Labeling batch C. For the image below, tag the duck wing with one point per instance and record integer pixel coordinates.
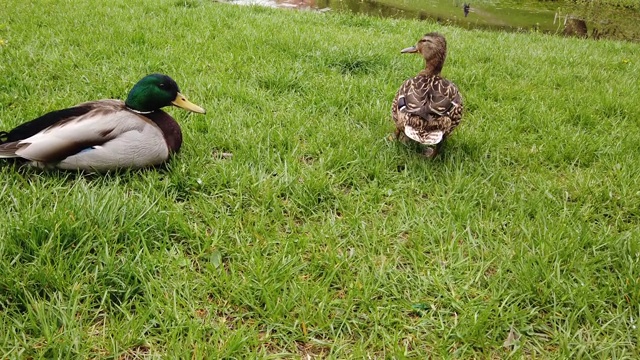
(430, 96)
(59, 134)
(34, 126)
(131, 149)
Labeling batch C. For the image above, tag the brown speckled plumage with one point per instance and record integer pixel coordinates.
(427, 107)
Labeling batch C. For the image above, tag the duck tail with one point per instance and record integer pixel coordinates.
(8, 150)
(422, 136)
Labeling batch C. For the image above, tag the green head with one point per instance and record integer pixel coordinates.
(156, 91)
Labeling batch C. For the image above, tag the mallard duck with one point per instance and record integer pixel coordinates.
(105, 134)
(427, 107)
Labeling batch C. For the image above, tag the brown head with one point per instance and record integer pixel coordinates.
(433, 48)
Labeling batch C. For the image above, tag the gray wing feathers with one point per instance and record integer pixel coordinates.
(131, 149)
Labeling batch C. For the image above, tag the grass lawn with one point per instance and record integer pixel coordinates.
(321, 237)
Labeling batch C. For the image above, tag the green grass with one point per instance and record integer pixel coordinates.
(321, 237)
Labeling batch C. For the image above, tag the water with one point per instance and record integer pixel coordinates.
(504, 15)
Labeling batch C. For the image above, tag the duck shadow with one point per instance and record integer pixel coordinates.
(452, 150)
(23, 168)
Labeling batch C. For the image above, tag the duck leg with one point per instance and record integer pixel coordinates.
(432, 151)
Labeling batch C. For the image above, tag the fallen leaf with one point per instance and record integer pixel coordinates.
(512, 338)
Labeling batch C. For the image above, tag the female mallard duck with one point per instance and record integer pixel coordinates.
(105, 134)
(427, 107)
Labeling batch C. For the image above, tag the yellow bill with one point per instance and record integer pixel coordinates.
(182, 102)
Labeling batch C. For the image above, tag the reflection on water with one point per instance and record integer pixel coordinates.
(504, 15)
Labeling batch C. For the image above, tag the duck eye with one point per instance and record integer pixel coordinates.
(162, 85)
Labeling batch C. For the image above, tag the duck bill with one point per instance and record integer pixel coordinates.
(182, 102)
(409, 50)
